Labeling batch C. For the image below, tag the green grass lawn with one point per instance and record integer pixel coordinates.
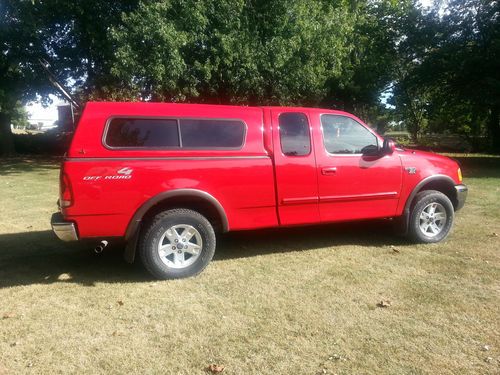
(295, 301)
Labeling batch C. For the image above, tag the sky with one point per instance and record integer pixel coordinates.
(37, 111)
(426, 3)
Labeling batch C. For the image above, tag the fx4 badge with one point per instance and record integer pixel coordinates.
(121, 174)
(411, 170)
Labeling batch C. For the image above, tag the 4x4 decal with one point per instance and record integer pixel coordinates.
(125, 171)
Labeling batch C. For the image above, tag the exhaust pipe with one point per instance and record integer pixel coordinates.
(99, 249)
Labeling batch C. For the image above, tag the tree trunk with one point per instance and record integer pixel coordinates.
(413, 128)
(6, 138)
(494, 129)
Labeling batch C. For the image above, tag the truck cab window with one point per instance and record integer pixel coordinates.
(294, 134)
(343, 135)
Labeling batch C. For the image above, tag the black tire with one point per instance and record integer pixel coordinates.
(422, 201)
(155, 232)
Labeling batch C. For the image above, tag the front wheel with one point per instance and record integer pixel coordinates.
(178, 243)
(431, 218)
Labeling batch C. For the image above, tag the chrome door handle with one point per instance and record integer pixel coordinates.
(328, 171)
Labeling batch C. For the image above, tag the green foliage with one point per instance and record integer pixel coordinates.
(71, 35)
(373, 57)
(254, 52)
(19, 116)
(451, 70)
(442, 67)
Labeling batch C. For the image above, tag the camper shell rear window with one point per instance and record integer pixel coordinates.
(174, 133)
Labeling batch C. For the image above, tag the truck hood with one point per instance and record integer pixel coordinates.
(427, 155)
(430, 163)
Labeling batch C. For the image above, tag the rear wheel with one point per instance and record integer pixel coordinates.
(431, 218)
(178, 243)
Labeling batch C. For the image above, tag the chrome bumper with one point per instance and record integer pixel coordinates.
(461, 196)
(64, 230)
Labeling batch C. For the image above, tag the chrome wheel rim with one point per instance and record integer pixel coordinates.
(432, 219)
(180, 246)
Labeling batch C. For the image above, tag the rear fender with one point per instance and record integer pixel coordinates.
(133, 229)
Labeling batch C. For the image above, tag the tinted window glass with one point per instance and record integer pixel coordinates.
(294, 134)
(212, 133)
(343, 135)
(151, 133)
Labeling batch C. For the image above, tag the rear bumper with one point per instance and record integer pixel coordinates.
(64, 230)
(461, 196)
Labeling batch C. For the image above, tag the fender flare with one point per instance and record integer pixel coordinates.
(139, 214)
(416, 190)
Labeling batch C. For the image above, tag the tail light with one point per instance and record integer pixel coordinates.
(66, 193)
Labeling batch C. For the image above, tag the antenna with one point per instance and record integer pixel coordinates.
(45, 65)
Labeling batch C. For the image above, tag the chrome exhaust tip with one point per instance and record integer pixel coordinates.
(100, 248)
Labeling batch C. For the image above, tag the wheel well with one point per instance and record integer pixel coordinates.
(443, 186)
(190, 202)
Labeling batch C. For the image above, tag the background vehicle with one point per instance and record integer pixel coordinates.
(167, 177)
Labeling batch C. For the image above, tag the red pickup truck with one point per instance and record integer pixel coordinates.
(168, 177)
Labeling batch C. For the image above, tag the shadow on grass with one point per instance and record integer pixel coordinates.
(479, 166)
(19, 165)
(40, 258)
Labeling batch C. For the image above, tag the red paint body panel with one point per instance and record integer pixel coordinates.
(257, 186)
(353, 187)
(296, 181)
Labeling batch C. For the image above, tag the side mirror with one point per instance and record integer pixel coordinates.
(389, 146)
(371, 150)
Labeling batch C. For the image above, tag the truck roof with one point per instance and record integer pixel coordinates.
(110, 106)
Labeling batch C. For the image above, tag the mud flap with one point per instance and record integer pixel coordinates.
(131, 247)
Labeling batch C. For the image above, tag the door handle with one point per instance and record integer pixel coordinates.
(328, 171)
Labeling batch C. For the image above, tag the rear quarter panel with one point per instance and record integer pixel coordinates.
(105, 201)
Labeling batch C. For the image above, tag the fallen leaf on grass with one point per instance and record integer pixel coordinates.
(384, 303)
(215, 369)
(337, 357)
(120, 302)
(395, 249)
(64, 277)
(485, 348)
(488, 359)
(9, 315)
(494, 234)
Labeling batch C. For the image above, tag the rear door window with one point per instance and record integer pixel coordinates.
(294, 134)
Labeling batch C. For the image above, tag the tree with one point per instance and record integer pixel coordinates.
(373, 57)
(232, 51)
(453, 58)
(19, 79)
(72, 35)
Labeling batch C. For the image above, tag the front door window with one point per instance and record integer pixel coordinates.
(343, 135)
